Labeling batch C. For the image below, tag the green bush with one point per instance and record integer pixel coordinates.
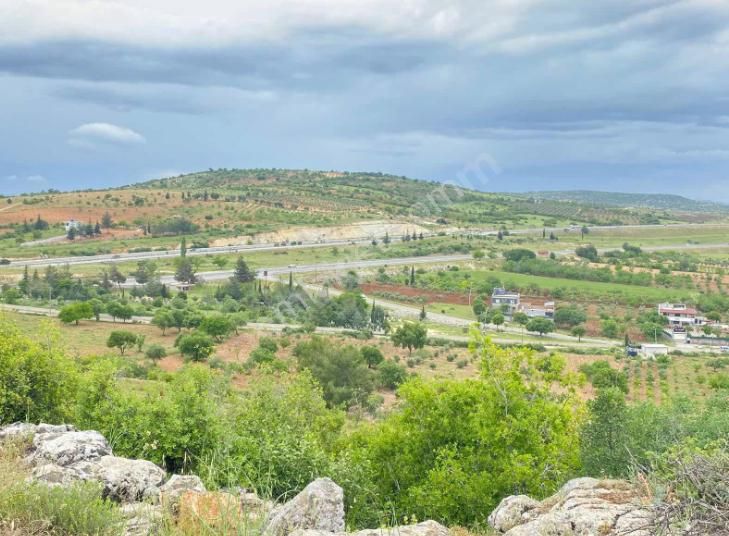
(74, 510)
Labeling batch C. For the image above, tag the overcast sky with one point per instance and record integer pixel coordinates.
(625, 95)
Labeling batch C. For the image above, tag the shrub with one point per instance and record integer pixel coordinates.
(155, 352)
(391, 374)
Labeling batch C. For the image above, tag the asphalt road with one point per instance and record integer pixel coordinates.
(150, 255)
(220, 275)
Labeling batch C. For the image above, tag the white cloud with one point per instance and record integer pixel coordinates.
(104, 132)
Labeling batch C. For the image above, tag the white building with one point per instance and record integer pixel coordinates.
(72, 224)
(678, 314)
(650, 351)
(509, 301)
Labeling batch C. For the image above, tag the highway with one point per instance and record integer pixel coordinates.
(245, 248)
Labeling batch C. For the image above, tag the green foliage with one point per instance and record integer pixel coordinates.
(540, 325)
(588, 252)
(455, 448)
(74, 312)
(341, 371)
(122, 340)
(569, 315)
(372, 356)
(241, 273)
(603, 376)
(268, 343)
(610, 328)
(392, 375)
(195, 346)
(519, 254)
(605, 436)
(410, 335)
(218, 326)
(578, 331)
(37, 382)
(155, 352)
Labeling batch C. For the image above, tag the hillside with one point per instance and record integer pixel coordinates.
(627, 200)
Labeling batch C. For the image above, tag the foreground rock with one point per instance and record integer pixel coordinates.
(319, 506)
(426, 528)
(583, 507)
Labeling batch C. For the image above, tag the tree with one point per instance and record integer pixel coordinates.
(119, 310)
(195, 346)
(392, 375)
(372, 356)
(123, 340)
(341, 371)
(412, 276)
(540, 325)
(97, 229)
(588, 252)
(183, 247)
(569, 315)
(478, 254)
(445, 469)
(38, 383)
(410, 335)
(585, 230)
(519, 254)
(163, 319)
(386, 240)
(579, 332)
(218, 326)
(71, 235)
(241, 273)
(604, 437)
(497, 320)
(145, 272)
(185, 272)
(610, 328)
(117, 277)
(423, 314)
(74, 312)
(155, 352)
(106, 221)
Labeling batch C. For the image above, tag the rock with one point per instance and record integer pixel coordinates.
(319, 506)
(583, 507)
(26, 430)
(212, 509)
(426, 528)
(66, 448)
(55, 475)
(511, 512)
(176, 486)
(141, 519)
(124, 480)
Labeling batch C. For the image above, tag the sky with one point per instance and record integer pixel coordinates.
(498, 95)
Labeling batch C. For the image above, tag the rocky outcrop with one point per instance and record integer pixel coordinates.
(426, 528)
(60, 455)
(319, 506)
(583, 507)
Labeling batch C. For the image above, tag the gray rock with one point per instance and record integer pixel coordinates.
(583, 507)
(176, 486)
(426, 528)
(66, 448)
(141, 519)
(512, 511)
(124, 480)
(319, 506)
(55, 475)
(24, 429)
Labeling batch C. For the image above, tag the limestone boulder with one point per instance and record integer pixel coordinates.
(319, 506)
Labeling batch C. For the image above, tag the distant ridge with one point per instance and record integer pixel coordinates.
(627, 200)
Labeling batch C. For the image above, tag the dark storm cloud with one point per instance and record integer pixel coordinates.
(574, 89)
